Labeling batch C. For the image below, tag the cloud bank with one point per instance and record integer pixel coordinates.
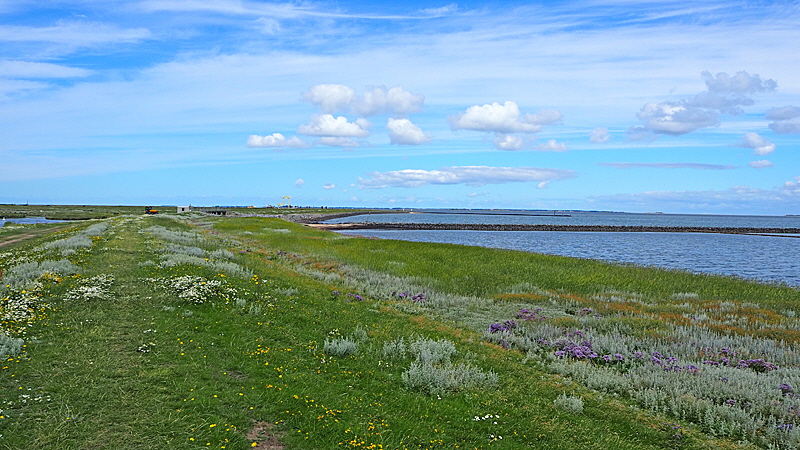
(467, 175)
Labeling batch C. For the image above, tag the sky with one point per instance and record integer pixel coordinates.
(618, 105)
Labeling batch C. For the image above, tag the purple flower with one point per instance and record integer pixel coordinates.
(786, 389)
(607, 358)
(619, 357)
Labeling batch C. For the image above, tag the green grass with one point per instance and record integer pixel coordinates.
(141, 369)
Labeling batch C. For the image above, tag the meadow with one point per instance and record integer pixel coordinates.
(192, 331)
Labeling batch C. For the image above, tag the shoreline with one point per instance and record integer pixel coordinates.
(569, 228)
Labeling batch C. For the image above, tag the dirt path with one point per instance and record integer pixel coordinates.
(8, 240)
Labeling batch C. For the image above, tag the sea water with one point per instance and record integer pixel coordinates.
(763, 258)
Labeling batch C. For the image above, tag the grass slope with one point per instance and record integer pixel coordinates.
(237, 362)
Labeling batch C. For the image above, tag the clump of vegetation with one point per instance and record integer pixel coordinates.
(570, 404)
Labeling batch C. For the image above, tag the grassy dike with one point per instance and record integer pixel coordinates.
(258, 333)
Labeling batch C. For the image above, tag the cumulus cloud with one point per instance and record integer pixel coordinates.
(467, 175)
(661, 165)
(329, 186)
(378, 100)
(599, 136)
(505, 118)
(759, 145)
(787, 119)
(276, 140)
(740, 83)
(760, 164)
(552, 146)
(792, 187)
(508, 142)
(299, 183)
(404, 132)
(330, 97)
(725, 94)
(676, 118)
(327, 125)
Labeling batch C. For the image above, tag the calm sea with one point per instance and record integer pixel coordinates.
(763, 258)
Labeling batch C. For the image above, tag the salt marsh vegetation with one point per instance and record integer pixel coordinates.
(196, 332)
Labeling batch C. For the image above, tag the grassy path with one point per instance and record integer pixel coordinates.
(140, 368)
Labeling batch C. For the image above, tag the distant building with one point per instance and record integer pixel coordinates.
(183, 209)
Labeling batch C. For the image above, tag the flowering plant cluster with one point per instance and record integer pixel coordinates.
(20, 308)
(418, 298)
(726, 357)
(94, 288)
(196, 289)
(527, 314)
(508, 326)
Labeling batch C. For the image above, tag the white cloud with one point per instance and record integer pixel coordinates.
(276, 140)
(725, 95)
(404, 132)
(299, 183)
(442, 10)
(783, 113)
(760, 164)
(792, 187)
(329, 186)
(676, 118)
(330, 97)
(741, 83)
(552, 146)
(468, 175)
(327, 125)
(760, 145)
(333, 141)
(661, 165)
(787, 119)
(73, 34)
(508, 142)
(377, 100)
(505, 118)
(25, 69)
(599, 136)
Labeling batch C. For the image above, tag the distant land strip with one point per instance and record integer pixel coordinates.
(584, 228)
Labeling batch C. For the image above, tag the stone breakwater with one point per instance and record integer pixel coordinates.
(578, 228)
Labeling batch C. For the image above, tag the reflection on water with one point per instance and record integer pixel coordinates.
(765, 258)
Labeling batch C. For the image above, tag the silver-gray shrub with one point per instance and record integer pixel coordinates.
(10, 346)
(340, 347)
(570, 404)
(229, 268)
(177, 237)
(437, 379)
(185, 250)
(19, 276)
(96, 229)
(221, 254)
(71, 243)
(395, 349)
(428, 351)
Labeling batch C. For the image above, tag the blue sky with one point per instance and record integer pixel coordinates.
(670, 106)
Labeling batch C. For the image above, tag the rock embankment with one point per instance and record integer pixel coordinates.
(578, 228)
